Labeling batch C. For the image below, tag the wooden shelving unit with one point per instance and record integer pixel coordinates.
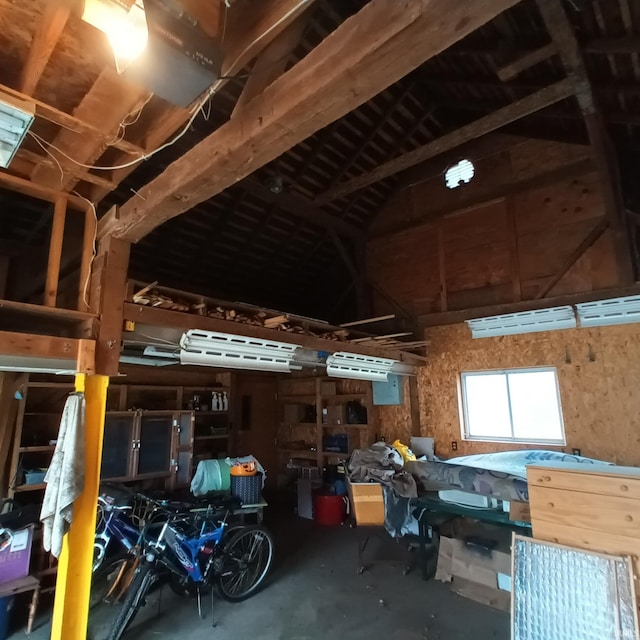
(329, 401)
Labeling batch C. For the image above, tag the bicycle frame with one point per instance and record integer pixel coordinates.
(186, 550)
(115, 526)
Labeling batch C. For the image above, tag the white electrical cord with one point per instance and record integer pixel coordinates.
(93, 255)
(195, 109)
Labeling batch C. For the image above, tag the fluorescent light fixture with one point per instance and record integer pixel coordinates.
(358, 367)
(213, 349)
(16, 117)
(126, 28)
(147, 362)
(608, 312)
(524, 322)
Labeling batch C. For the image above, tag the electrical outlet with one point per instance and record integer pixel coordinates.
(576, 452)
(454, 445)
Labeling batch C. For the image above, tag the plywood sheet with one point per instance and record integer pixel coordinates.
(598, 370)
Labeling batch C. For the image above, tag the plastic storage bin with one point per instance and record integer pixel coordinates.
(6, 604)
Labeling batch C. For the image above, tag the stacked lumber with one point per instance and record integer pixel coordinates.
(154, 296)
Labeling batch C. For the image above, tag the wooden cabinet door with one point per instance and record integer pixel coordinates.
(183, 453)
(154, 443)
(118, 445)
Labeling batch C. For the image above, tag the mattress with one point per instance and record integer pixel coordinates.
(499, 475)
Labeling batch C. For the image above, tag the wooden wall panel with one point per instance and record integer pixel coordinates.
(489, 257)
(533, 157)
(477, 248)
(406, 266)
(598, 372)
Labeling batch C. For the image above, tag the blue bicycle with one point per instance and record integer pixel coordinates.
(198, 551)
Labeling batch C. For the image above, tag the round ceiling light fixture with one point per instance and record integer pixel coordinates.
(459, 173)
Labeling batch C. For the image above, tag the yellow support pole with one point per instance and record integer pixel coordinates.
(73, 586)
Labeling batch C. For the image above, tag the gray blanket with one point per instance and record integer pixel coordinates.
(382, 464)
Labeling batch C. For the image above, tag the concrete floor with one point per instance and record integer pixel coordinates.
(315, 593)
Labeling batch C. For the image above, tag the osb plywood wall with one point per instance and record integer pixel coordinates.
(503, 250)
(598, 373)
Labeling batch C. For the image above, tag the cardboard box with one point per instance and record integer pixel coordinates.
(14, 560)
(520, 511)
(367, 503)
(476, 570)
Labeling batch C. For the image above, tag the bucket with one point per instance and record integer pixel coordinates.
(328, 510)
(6, 604)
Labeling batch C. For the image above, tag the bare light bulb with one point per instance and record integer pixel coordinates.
(126, 31)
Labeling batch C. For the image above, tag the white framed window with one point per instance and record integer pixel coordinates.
(512, 405)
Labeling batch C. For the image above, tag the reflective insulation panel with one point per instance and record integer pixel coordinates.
(560, 593)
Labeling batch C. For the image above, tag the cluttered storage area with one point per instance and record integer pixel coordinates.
(319, 319)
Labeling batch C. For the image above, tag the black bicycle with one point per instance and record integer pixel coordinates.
(198, 551)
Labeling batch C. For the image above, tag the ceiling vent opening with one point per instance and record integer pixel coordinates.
(458, 174)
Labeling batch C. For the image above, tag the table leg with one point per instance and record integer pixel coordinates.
(35, 598)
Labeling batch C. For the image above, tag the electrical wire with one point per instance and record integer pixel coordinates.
(195, 109)
(85, 289)
(51, 156)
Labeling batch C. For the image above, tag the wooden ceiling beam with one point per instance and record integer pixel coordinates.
(371, 50)
(106, 106)
(50, 27)
(561, 31)
(489, 123)
(72, 123)
(526, 61)
(28, 188)
(272, 62)
(67, 166)
(253, 26)
(301, 207)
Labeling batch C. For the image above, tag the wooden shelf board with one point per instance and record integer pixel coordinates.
(344, 397)
(35, 449)
(31, 487)
(207, 413)
(299, 424)
(215, 437)
(50, 385)
(335, 453)
(300, 453)
(305, 399)
(335, 425)
(44, 413)
(46, 312)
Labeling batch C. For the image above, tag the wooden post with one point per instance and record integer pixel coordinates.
(108, 291)
(73, 585)
(9, 384)
(55, 252)
(442, 267)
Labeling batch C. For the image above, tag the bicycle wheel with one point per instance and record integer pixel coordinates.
(244, 563)
(111, 571)
(134, 599)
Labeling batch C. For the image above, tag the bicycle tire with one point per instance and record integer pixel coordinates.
(107, 568)
(133, 600)
(229, 560)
